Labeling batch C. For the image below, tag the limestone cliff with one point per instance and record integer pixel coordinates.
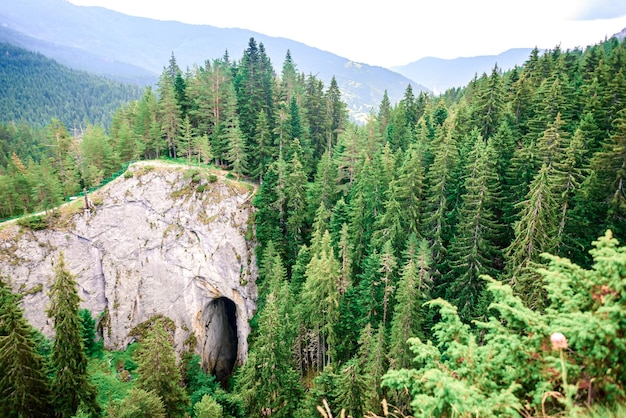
(161, 239)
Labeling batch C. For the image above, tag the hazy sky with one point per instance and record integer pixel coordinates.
(396, 32)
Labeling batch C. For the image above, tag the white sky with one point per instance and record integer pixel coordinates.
(396, 32)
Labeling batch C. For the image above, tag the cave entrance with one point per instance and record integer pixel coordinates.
(220, 345)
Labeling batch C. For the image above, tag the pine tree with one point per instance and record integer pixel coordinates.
(70, 383)
(534, 234)
(473, 252)
(320, 299)
(169, 113)
(97, 155)
(413, 286)
(186, 144)
(208, 408)
(138, 403)
(24, 386)
(295, 189)
(268, 382)
(264, 151)
(270, 203)
(237, 153)
(352, 389)
(609, 180)
(488, 103)
(158, 371)
(337, 114)
(314, 103)
(442, 188)
(372, 360)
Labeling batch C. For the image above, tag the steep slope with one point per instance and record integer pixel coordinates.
(441, 74)
(148, 44)
(160, 240)
(36, 89)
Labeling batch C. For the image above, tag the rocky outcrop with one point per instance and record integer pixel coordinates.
(160, 240)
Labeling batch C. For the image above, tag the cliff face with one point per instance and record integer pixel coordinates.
(165, 240)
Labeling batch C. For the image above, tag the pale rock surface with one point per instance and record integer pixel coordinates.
(154, 244)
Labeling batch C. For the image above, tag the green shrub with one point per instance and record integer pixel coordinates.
(34, 223)
(528, 363)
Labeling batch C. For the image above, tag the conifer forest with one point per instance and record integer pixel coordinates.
(459, 255)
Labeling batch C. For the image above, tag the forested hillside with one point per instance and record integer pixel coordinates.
(374, 241)
(35, 89)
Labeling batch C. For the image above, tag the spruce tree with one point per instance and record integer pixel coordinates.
(138, 403)
(442, 188)
(70, 383)
(412, 292)
(295, 189)
(473, 252)
(169, 113)
(488, 103)
(269, 382)
(352, 389)
(158, 371)
(24, 386)
(534, 234)
(320, 298)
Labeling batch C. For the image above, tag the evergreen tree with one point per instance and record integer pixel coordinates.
(441, 195)
(336, 112)
(237, 153)
(295, 189)
(320, 299)
(352, 389)
(372, 360)
(208, 408)
(98, 159)
(473, 252)
(169, 113)
(186, 145)
(272, 390)
(264, 150)
(63, 157)
(158, 372)
(608, 183)
(138, 403)
(534, 234)
(314, 104)
(24, 386)
(488, 103)
(413, 287)
(70, 383)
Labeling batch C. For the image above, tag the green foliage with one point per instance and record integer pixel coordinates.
(24, 385)
(93, 348)
(522, 367)
(361, 224)
(70, 384)
(274, 390)
(208, 408)
(138, 403)
(54, 91)
(34, 223)
(158, 371)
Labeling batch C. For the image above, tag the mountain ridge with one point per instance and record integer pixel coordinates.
(440, 74)
(148, 44)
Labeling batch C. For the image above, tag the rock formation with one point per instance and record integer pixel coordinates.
(159, 240)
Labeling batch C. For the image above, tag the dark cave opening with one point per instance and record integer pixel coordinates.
(220, 346)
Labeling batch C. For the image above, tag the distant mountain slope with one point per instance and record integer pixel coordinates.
(79, 59)
(36, 89)
(148, 44)
(439, 74)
